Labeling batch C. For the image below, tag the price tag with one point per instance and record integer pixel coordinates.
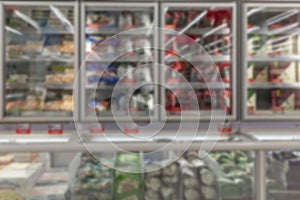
(131, 128)
(24, 128)
(279, 109)
(296, 138)
(55, 129)
(226, 129)
(95, 128)
(276, 64)
(250, 110)
(93, 28)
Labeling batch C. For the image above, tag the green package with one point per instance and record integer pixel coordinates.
(128, 186)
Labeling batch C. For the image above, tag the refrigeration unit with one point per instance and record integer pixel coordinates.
(271, 61)
(207, 64)
(39, 54)
(112, 53)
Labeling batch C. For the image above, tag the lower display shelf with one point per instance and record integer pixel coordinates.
(88, 177)
(37, 139)
(111, 140)
(266, 85)
(277, 112)
(246, 165)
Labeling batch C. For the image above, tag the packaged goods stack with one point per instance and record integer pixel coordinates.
(272, 62)
(211, 28)
(39, 60)
(128, 183)
(199, 180)
(93, 181)
(236, 179)
(18, 175)
(123, 58)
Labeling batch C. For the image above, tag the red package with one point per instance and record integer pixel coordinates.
(23, 128)
(222, 16)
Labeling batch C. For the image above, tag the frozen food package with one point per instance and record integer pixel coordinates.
(236, 177)
(107, 20)
(142, 74)
(16, 179)
(14, 51)
(33, 47)
(251, 101)
(6, 159)
(126, 46)
(143, 46)
(10, 195)
(25, 157)
(145, 100)
(261, 74)
(55, 192)
(143, 19)
(262, 100)
(128, 185)
(126, 20)
(163, 184)
(283, 99)
(195, 175)
(94, 181)
(17, 78)
(52, 177)
(283, 72)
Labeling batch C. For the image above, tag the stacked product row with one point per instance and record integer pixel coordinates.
(221, 175)
(224, 175)
(199, 42)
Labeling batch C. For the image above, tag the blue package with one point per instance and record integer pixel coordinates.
(111, 80)
(100, 66)
(93, 79)
(93, 104)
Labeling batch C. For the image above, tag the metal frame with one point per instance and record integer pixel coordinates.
(260, 175)
(115, 5)
(75, 6)
(244, 91)
(2, 53)
(146, 145)
(194, 5)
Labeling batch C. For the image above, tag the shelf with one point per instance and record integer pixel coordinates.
(197, 59)
(137, 115)
(289, 29)
(32, 139)
(200, 31)
(41, 59)
(42, 143)
(47, 113)
(266, 58)
(70, 142)
(22, 86)
(275, 135)
(117, 32)
(261, 113)
(125, 59)
(47, 32)
(197, 85)
(190, 114)
(120, 86)
(265, 85)
(41, 113)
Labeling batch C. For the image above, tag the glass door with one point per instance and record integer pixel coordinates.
(199, 46)
(39, 60)
(271, 63)
(118, 55)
